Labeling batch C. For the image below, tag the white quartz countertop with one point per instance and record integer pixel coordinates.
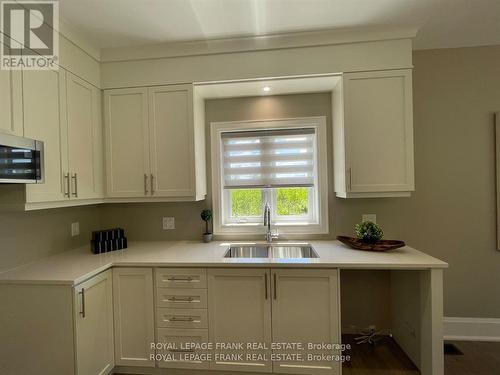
(75, 266)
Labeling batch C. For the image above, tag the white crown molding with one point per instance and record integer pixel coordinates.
(471, 329)
(257, 43)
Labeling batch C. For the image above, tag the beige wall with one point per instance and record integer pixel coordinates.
(28, 236)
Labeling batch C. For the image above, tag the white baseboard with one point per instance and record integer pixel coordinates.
(471, 329)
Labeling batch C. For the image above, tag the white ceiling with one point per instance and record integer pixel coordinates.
(443, 23)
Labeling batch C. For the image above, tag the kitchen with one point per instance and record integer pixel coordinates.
(144, 134)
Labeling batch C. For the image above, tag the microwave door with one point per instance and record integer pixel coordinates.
(21, 160)
(19, 165)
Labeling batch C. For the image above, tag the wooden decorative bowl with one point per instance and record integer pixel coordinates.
(382, 245)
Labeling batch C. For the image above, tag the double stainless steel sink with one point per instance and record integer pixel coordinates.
(279, 251)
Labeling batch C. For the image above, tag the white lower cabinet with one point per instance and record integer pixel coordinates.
(134, 316)
(239, 309)
(305, 309)
(52, 329)
(112, 319)
(264, 306)
(94, 325)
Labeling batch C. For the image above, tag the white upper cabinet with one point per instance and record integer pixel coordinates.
(94, 326)
(151, 139)
(42, 121)
(373, 134)
(172, 141)
(64, 112)
(11, 109)
(84, 135)
(127, 142)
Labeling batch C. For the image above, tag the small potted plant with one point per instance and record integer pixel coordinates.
(369, 232)
(206, 216)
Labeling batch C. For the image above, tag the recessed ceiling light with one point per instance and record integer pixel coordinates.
(266, 88)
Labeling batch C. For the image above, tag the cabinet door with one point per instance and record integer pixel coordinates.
(305, 309)
(11, 101)
(172, 146)
(134, 316)
(379, 131)
(94, 325)
(127, 142)
(42, 110)
(239, 311)
(84, 134)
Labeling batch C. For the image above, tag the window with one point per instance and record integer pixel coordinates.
(276, 162)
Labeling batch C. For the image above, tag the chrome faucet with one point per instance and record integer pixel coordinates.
(267, 222)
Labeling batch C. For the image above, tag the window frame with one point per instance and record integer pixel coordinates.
(255, 224)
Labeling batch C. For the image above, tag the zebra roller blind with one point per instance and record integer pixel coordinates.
(269, 158)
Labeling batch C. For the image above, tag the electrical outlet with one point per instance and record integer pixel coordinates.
(75, 229)
(168, 223)
(369, 217)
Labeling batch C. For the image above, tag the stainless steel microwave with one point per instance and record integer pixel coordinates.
(21, 160)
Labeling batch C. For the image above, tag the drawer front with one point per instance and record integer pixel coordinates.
(181, 318)
(181, 278)
(179, 355)
(181, 298)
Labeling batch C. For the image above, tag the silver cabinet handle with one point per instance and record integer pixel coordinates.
(181, 299)
(152, 184)
(181, 319)
(145, 184)
(66, 185)
(275, 289)
(183, 279)
(82, 312)
(75, 179)
(265, 283)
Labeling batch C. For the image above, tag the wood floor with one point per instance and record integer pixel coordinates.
(386, 358)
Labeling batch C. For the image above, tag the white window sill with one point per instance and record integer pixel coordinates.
(259, 228)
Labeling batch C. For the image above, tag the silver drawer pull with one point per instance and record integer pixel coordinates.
(183, 279)
(181, 299)
(181, 350)
(75, 179)
(181, 319)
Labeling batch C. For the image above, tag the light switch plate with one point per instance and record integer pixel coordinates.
(75, 229)
(369, 217)
(168, 223)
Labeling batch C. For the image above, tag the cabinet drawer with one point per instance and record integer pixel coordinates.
(181, 318)
(181, 298)
(181, 278)
(177, 338)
